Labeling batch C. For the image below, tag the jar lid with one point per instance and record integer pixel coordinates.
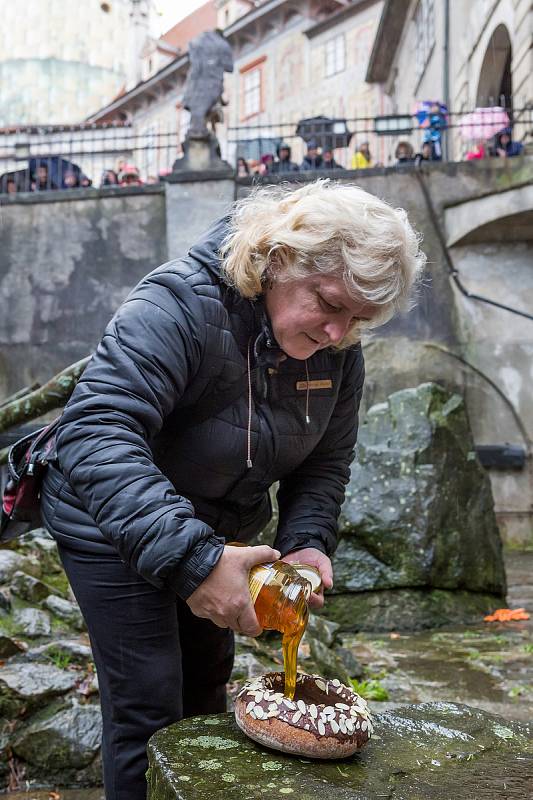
(310, 574)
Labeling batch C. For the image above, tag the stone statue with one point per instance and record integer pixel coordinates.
(210, 56)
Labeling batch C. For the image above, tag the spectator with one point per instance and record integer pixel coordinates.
(109, 178)
(9, 185)
(85, 182)
(433, 133)
(328, 161)
(254, 167)
(129, 176)
(265, 163)
(504, 147)
(40, 179)
(404, 153)
(151, 179)
(362, 158)
(478, 151)
(284, 163)
(70, 179)
(425, 154)
(242, 168)
(312, 160)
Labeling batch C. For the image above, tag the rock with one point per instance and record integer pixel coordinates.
(10, 562)
(29, 686)
(9, 646)
(60, 741)
(322, 629)
(407, 609)
(418, 513)
(246, 666)
(353, 667)
(76, 651)
(5, 601)
(433, 750)
(29, 588)
(32, 622)
(65, 610)
(326, 662)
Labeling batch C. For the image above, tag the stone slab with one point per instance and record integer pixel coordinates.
(432, 751)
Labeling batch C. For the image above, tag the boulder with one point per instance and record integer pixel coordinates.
(66, 610)
(418, 523)
(75, 651)
(32, 622)
(9, 646)
(29, 588)
(58, 741)
(24, 686)
(433, 750)
(10, 562)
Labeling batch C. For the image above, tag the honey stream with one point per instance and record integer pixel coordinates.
(291, 621)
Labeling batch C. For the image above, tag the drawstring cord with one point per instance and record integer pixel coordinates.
(249, 429)
(307, 417)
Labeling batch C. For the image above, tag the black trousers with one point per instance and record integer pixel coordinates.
(156, 662)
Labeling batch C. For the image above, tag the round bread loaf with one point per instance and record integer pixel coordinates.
(325, 720)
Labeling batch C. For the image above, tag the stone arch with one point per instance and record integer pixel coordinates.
(495, 83)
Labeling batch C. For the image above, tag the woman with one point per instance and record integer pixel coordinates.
(222, 373)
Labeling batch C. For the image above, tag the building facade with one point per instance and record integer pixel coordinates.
(464, 54)
(62, 59)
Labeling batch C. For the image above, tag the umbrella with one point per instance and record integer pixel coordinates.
(483, 123)
(328, 133)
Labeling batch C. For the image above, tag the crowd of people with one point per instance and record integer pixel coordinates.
(316, 158)
(49, 175)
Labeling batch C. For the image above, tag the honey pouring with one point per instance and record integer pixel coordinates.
(280, 594)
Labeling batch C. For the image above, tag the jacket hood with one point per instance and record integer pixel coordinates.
(207, 249)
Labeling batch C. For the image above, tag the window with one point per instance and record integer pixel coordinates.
(252, 92)
(425, 34)
(335, 55)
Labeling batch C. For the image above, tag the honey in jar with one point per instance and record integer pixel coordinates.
(280, 595)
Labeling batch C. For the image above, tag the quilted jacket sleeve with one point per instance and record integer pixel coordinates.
(149, 353)
(310, 498)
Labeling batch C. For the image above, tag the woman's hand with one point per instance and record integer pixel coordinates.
(224, 596)
(319, 560)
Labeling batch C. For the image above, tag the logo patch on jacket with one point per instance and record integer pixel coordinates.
(302, 386)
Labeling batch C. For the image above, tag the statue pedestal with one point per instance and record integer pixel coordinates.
(201, 153)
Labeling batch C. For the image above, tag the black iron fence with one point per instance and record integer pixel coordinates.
(34, 159)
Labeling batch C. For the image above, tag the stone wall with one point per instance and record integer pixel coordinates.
(69, 258)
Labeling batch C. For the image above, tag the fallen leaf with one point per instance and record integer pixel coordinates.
(507, 615)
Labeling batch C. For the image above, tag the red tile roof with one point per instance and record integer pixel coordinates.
(203, 19)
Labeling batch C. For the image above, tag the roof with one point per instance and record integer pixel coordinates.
(203, 19)
(391, 25)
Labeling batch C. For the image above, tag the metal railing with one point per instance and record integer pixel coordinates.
(45, 159)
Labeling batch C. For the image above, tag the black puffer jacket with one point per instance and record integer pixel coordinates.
(141, 471)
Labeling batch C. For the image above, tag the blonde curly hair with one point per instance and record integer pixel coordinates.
(326, 227)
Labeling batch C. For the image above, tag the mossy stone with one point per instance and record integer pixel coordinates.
(433, 751)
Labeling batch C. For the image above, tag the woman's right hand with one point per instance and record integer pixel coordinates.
(224, 596)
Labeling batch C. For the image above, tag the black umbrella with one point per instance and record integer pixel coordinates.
(326, 132)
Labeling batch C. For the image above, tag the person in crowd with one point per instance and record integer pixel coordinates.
(425, 154)
(151, 179)
(265, 163)
(40, 180)
(85, 181)
(109, 178)
(242, 168)
(505, 147)
(9, 184)
(404, 153)
(433, 133)
(129, 176)
(328, 160)
(70, 179)
(284, 163)
(199, 398)
(254, 166)
(362, 158)
(478, 151)
(312, 159)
